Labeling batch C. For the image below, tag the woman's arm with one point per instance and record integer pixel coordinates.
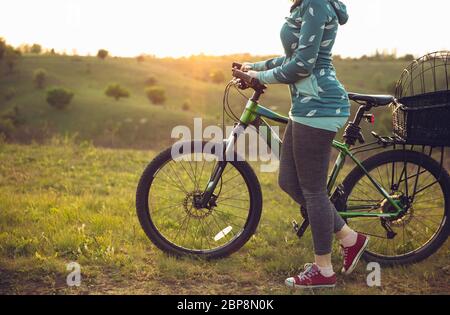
(304, 58)
(267, 64)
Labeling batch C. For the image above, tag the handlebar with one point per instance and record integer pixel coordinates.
(248, 80)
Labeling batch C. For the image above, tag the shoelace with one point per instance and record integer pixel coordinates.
(344, 251)
(308, 273)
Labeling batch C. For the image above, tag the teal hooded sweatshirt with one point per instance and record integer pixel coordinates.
(308, 36)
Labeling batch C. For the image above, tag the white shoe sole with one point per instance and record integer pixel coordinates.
(356, 260)
(296, 286)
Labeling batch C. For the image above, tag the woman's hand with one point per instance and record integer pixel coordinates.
(253, 74)
(246, 66)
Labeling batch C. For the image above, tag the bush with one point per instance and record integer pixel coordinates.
(116, 91)
(9, 93)
(151, 81)
(12, 115)
(6, 127)
(39, 78)
(217, 76)
(9, 120)
(186, 106)
(59, 98)
(156, 94)
(102, 54)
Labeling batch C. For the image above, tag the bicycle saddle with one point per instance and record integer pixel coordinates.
(380, 100)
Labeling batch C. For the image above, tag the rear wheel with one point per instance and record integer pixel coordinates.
(167, 202)
(420, 186)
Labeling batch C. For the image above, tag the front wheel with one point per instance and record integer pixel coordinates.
(420, 186)
(167, 203)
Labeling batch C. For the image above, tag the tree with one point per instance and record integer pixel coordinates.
(25, 48)
(140, 58)
(408, 57)
(217, 76)
(2, 48)
(36, 49)
(102, 54)
(39, 78)
(116, 91)
(59, 98)
(156, 94)
(11, 55)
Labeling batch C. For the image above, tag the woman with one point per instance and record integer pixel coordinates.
(320, 107)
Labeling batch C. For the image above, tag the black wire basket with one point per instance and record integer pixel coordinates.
(423, 113)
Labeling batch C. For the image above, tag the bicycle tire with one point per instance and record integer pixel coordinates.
(142, 208)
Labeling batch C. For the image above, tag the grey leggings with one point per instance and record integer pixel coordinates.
(305, 156)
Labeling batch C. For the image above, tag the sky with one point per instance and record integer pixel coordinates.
(216, 27)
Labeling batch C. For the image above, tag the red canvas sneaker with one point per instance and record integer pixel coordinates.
(353, 253)
(311, 278)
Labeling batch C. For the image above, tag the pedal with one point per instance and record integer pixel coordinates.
(300, 229)
(295, 226)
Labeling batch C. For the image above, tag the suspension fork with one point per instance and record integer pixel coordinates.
(228, 154)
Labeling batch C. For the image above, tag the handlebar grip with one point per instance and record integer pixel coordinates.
(242, 75)
(252, 82)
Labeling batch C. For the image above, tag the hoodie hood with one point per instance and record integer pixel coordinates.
(341, 11)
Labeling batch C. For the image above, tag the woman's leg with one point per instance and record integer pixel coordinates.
(311, 149)
(289, 182)
(287, 178)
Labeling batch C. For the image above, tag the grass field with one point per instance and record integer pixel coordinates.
(65, 202)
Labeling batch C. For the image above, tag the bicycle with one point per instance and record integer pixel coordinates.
(382, 196)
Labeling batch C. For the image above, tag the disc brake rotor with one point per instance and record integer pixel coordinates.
(403, 217)
(190, 205)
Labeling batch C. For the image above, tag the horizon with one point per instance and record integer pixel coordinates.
(82, 27)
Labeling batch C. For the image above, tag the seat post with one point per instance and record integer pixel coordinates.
(360, 113)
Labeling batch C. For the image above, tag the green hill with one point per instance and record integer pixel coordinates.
(134, 122)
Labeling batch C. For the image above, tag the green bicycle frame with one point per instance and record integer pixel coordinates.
(255, 113)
